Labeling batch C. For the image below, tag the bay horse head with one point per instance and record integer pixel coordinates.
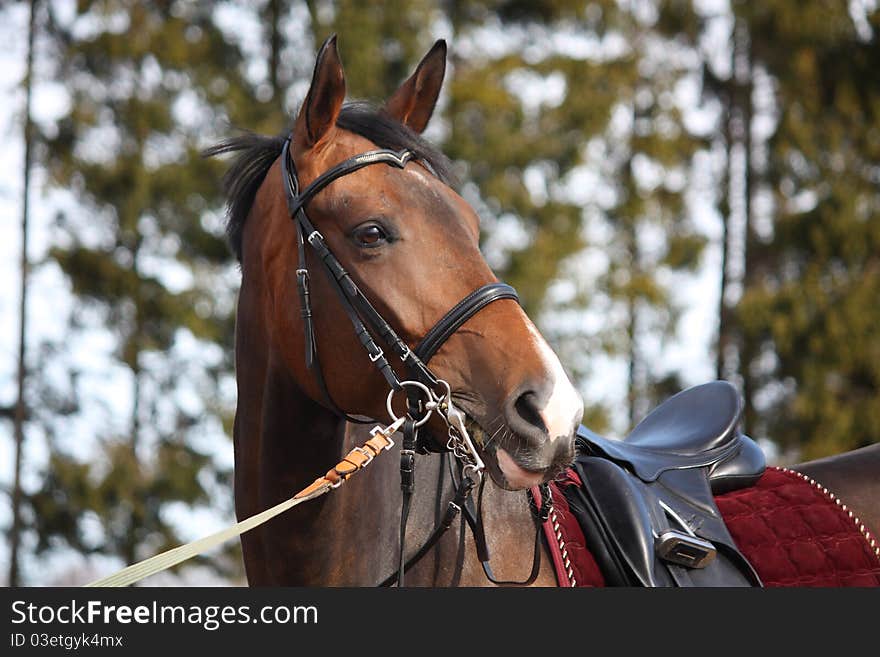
(409, 245)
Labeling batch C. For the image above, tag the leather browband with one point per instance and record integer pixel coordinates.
(296, 201)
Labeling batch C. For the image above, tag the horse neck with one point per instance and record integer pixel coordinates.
(284, 440)
(351, 536)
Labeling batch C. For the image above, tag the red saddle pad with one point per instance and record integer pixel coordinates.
(791, 529)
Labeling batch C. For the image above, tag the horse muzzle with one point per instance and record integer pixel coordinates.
(517, 462)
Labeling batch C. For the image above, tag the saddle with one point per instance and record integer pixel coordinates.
(646, 503)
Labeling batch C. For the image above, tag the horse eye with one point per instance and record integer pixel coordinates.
(371, 235)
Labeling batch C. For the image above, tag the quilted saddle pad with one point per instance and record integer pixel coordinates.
(792, 530)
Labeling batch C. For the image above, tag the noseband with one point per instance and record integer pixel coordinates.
(363, 316)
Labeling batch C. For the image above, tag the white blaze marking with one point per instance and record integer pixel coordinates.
(565, 405)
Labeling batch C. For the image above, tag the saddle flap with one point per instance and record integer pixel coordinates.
(621, 537)
(625, 521)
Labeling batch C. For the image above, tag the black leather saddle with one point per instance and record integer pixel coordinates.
(647, 503)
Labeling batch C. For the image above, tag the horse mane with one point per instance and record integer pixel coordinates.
(256, 154)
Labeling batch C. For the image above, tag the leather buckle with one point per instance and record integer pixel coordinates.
(366, 454)
(684, 550)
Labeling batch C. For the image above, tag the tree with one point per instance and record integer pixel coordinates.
(584, 253)
(809, 311)
(20, 412)
(146, 260)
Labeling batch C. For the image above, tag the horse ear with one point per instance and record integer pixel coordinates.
(322, 104)
(413, 103)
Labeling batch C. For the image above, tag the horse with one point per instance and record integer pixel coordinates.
(353, 212)
(411, 244)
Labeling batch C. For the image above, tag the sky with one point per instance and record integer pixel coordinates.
(49, 302)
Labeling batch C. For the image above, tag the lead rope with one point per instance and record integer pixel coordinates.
(353, 462)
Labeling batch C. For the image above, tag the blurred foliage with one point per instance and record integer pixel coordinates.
(810, 309)
(502, 140)
(144, 80)
(568, 124)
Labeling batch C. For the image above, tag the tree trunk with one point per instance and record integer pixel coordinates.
(632, 393)
(21, 406)
(743, 76)
(275, 10)
(721, 371)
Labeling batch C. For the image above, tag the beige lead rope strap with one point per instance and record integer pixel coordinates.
(172, 557)
(357, 459)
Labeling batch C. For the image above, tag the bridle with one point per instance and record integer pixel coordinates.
(425, 392)
(360, 311)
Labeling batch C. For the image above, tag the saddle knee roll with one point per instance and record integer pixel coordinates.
(740, 470)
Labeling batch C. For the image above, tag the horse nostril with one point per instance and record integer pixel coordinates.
(526, 406)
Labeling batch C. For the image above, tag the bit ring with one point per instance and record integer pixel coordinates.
(430, 396)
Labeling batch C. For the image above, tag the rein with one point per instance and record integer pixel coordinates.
(462, 502)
